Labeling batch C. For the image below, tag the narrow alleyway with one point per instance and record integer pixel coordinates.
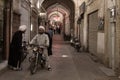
(66, 64)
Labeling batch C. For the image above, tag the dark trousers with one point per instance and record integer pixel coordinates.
(50, 48)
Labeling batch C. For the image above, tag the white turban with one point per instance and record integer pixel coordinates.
(22, 27)
(41, 27)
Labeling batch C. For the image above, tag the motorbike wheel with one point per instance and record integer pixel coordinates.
(43, 63)
(33, 68)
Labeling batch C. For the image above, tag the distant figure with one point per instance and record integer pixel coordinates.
(59, 30)
(15, 54)
(54, 28)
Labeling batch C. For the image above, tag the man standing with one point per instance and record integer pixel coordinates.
(15, 55)
(50, 35)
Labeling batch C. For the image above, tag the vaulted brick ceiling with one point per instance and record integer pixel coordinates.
(68, 4)
(57, 10)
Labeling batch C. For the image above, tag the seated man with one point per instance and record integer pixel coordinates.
(42, 39)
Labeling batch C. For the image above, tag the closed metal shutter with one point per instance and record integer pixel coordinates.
(92, 32)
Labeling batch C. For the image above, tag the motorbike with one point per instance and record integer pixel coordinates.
(77, 44)
(72, 41)
(37, 59)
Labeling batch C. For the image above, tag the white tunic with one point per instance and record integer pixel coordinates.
(40, 39)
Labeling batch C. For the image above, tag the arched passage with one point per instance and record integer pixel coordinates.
(62, 7)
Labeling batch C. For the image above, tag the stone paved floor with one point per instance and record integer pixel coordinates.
(67, 64)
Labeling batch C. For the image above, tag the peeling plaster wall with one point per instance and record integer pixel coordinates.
(25, 18)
